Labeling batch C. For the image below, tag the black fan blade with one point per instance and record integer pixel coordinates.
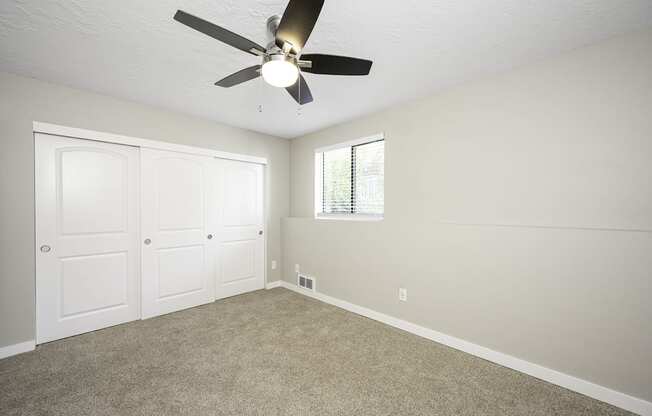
(300, 87)
(336, 65)
(297, 22)
(217, 32)
(239, 77)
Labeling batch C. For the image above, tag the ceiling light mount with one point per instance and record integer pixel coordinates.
(272, 26)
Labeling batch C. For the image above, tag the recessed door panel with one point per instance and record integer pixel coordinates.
(93, 190)
(181, 271)
(180, 206)
(241, 241)
(177, 266)
(241, 187)
(86, 235)
(93, 283)
(239, 260)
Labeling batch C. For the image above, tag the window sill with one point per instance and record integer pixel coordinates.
(349, 217)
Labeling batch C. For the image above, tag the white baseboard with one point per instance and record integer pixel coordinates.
(272, 285)
(16, 349)
(624, 401)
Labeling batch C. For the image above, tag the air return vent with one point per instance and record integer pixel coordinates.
(306, 282)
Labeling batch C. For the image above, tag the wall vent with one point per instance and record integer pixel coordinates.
(306, 282)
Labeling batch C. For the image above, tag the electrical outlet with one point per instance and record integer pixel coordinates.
(296, 268)
(402, 294)
(273, 264)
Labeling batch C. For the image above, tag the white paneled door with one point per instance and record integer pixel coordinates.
(239, 197)
(124, 232)
(177, 231)
(86, 235)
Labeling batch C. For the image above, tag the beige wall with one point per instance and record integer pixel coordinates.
(518, 215)
(24, 100)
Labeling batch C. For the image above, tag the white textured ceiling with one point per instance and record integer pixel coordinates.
(134, 50)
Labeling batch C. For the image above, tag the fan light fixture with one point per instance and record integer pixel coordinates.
(280, 70)
(283, 60)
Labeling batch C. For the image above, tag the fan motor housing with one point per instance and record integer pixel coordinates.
(280, 57)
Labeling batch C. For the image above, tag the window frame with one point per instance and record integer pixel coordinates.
(318, 188)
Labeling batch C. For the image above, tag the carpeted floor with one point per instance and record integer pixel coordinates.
(269, 353)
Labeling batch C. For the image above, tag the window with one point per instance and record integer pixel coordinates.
(350, 179)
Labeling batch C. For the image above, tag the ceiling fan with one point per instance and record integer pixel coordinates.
(282, 61)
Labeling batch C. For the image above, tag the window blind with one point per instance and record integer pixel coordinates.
(353, 179)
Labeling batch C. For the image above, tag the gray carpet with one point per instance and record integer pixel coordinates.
(269, 353)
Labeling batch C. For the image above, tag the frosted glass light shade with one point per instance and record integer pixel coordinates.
(280, 72)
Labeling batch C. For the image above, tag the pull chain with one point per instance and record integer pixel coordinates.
(299, 107)
(261, 92)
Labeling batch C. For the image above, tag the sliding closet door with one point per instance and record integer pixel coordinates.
(86, 236)
(241, 250)
(177, 258)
